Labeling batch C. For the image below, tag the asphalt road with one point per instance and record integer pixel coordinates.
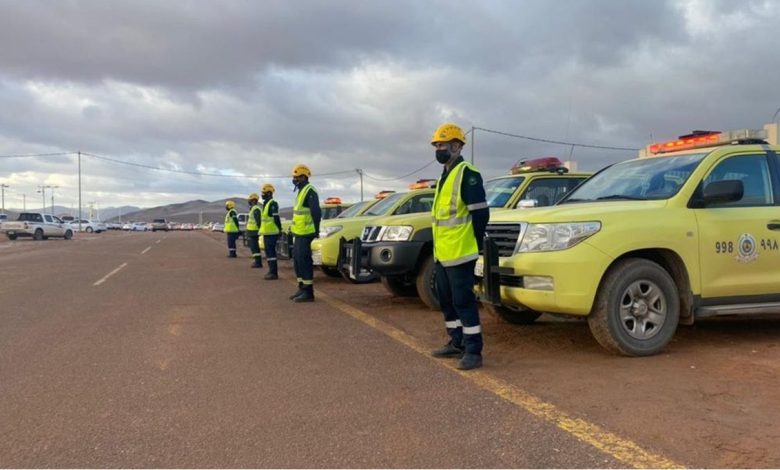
(154, 350)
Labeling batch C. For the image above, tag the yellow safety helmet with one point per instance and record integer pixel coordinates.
(254, 196)
(447, 132)
(230, 204)
(268, 188)
(301, 169)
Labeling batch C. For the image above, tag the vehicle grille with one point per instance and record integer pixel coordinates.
(506, 236)
(370, 233)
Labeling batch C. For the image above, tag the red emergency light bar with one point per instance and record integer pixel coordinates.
(694, 140)
(333, 200)
(383, 194)
(538, 164)
(423, 184)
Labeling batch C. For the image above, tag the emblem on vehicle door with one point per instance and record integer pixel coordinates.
(747, 250)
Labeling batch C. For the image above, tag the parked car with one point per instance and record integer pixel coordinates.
(38, 226)
(3, 218)
(139, 227)
(218, 228)
(88, 226)
(127, 227)
(159, 224)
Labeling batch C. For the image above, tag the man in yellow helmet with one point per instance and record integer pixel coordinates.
(270, 228)
(231, 227)
(252, 228)
(460, 216)
(305, 228)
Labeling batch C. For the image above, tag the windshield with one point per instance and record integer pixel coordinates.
(498, 191)
(645, 179)
(354, 210)
(330, 212)
(383, 206)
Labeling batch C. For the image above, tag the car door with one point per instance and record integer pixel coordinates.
(50, 228)
(739, 241)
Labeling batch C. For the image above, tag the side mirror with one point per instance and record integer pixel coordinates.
(527, 203)
(720, 192)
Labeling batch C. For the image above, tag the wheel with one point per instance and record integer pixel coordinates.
(426, 284)
(515, 316)
(330, 272)
(12, 237)
(38, 235)
(68, 234)
(399, 286)
(89, 230)
(637, 309)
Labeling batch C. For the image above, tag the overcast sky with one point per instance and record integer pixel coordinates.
(253, 87)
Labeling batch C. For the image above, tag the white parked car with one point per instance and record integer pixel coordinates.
(218, 227)
(127, 227)
(139, 227)
(88, 226)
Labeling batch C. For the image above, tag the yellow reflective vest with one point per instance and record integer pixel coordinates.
(251, 225)
(454, 242)
(230, 224)
(267, 222)
(302, 222)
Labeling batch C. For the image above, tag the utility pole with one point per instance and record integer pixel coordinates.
(79, 191)
(52, 198)
(360, 172)
(2, 190)
(42, 190)
(24, 202)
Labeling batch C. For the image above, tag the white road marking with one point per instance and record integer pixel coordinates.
(147, 249)
(158, 241)
(105, 278)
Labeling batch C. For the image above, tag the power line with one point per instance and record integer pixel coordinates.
(31, 155)
(400, 177)
(558, 142)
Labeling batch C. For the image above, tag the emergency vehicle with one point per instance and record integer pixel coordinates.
(691, 229)
(399, 248)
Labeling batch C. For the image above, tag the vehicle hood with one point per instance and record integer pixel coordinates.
(576, 212)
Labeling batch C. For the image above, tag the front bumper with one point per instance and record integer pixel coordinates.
(325, 251)
(576, 274)
(392, 258)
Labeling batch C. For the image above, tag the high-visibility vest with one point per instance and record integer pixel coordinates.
(267, 223)
(302, 222)
(230, 224)
(251, 225)
(454, 242)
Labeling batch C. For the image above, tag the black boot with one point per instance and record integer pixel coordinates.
(271, 277)
(306, 296)
(299, 292)
(448, 350)
(470, 361)
(232, 255)
(257, 263)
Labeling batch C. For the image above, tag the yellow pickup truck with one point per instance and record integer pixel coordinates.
(690, 229)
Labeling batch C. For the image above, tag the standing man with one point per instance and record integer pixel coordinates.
(270, 228)
(305, 228)
(231, 227)
(460, 215)
(252, 226)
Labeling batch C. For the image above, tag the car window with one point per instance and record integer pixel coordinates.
(753, 171)
(330, 212)
(383, 206)
(548, 191)
(58, 220)
(498, 191)
(416, 204)
(48, 218)
(354, 209)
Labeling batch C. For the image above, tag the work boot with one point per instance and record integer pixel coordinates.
(448, 350)
(299, 292)
(470, 361)
(232, 255)
(271, 277)
(257, 264)
(306, 296)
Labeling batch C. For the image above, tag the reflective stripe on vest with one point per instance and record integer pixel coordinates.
(454, 242)
(230, 224)
(302, 221)
(267, 223)
(251, 225)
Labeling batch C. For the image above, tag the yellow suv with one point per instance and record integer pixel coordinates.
(690, 229)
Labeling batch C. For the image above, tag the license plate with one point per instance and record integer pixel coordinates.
(316, 258)
(479, 268)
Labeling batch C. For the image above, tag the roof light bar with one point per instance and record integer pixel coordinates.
(703, 139)
(423, 184)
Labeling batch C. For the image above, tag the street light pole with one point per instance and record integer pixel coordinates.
(2, 190)
(360, 172)
(52, 198)
(42, 190)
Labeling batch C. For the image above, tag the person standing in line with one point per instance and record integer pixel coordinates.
(252, 227)
(270, 228)
(305, 228)
(231, 227)
(460, 216)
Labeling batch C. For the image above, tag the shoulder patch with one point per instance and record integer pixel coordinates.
(473, 180)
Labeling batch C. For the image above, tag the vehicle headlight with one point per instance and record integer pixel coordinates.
(396, 233)
(555, 237)
(328, 231)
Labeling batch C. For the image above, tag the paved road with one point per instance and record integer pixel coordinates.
(154, 350)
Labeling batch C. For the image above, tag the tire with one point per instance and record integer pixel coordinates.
(330, 272)
(511, 315)
(637, 308)
(13, 237)
(399, 286)
(89, 230)
(426, 284)
(68, 234)
(38, 235)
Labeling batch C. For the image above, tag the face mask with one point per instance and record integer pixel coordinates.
(295, 183)
(266, 196)
(443, 155)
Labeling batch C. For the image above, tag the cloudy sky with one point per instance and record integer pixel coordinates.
(249, 88)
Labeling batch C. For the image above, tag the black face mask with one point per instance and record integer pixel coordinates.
(443, 155)
(266, 196)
